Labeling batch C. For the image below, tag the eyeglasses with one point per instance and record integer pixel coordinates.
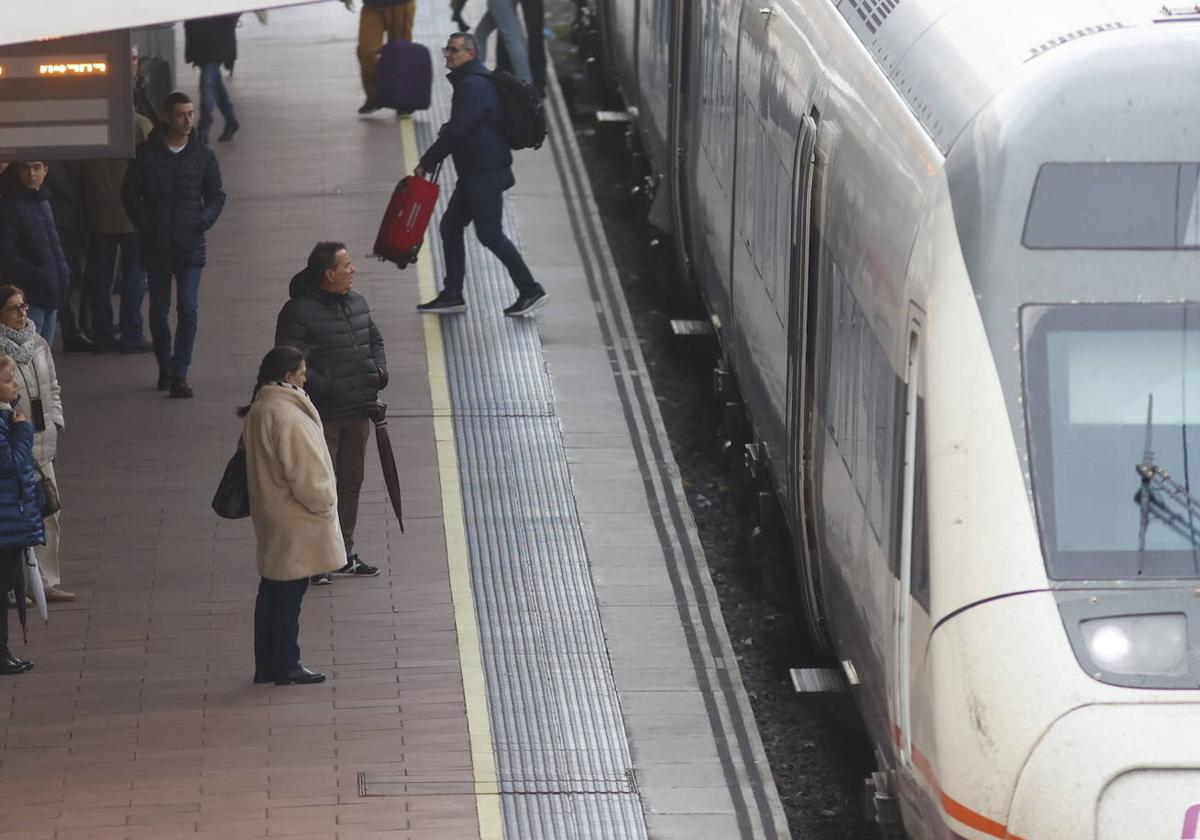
(16, 307)
(452, 50)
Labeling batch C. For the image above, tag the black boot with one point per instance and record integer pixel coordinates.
(180, 390)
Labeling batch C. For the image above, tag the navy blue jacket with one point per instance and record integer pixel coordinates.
(31, 255)
(20, 507)
(172, 199)
(471, 136)
(346, 362)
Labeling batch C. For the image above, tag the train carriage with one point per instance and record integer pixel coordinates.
(952, 247)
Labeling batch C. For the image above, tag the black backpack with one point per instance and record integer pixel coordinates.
(522, 117)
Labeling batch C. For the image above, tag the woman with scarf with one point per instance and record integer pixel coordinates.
(41, 402)
(293, 504)
(20, 516)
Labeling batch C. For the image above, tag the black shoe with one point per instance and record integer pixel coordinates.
(230, 130)
(179, 389)
(136, 347)
(9, 664)
(527, 302)
(356, 568)
(261, 677)
(301, 676)
(105, 345)
(443, 304)
(78, 343)
(164, 381)
(322, 579)
(368, 107)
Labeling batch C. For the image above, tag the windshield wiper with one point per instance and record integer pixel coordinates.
(1154, 504)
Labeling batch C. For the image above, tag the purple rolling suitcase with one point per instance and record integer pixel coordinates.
(405, 76)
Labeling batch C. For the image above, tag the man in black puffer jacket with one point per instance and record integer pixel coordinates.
(346, 369)
(173, 194)
(31, 255)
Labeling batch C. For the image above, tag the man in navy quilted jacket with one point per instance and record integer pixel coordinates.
(173, 195)
(483, 161)
(31, 255)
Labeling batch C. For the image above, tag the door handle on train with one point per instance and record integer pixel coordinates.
(766, 11)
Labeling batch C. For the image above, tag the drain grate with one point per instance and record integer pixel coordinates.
(393, 784)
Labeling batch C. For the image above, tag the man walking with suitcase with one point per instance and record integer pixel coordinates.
(484, 163)
(379, 18)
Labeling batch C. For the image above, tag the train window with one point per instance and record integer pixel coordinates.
(1107, 206)
(1113, 409)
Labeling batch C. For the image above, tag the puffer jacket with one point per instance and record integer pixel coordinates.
(38, 379)
(20, 512)
(172, 199)
(31, 255)
(293, 491)
(211, 40)
(472, 136)
(346, 362)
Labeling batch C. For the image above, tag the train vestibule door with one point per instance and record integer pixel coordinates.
(803, 342)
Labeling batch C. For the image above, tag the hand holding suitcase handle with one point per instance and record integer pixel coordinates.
(420, 173)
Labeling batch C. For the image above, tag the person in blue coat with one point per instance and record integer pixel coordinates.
(20, 508)
(483, 161)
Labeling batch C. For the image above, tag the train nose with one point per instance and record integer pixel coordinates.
(1113, 772)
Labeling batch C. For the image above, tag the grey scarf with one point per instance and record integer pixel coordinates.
(18, 343)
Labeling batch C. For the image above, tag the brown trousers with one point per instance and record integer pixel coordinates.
(347, 441)
(395, 21)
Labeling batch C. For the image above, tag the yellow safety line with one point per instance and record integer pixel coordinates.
(479, 725)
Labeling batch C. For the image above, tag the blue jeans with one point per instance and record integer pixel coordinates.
(187, 303)
(212, 89)
(501, 15)
(479, 198)
(45, 321)
(103, 250)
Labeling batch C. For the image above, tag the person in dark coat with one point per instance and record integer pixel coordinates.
(173, 194)
(347, 367)
(20, 512)
(483, 160)
(211, 43)
(31, 255)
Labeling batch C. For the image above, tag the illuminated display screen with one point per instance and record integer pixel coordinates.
(67, 98)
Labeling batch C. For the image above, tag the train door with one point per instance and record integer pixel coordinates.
(803, 330)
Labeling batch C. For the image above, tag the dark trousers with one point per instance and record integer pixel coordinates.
(535, 36)
(103, 251)
(347, 438)
(10, 568)
(479, 198)
(187, 305)
(277, 626)
(73, 316)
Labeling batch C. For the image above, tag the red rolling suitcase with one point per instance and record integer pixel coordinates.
(402, 230)
(405, 77)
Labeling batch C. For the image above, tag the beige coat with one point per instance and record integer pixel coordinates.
(293, 492)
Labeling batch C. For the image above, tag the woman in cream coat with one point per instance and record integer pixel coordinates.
(293, 504)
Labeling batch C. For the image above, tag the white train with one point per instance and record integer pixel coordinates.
(952, 248)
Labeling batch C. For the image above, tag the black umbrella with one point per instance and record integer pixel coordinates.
(387, 459)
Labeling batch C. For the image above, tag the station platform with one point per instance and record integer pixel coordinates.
(542, 656)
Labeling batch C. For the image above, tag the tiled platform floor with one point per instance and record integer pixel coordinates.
(139, 719)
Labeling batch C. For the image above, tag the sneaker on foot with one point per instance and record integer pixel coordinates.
(443, 304)
(368, 107)
(322, 579)
(180, 390)
(527, 302)
(356, 568)
(230, 130)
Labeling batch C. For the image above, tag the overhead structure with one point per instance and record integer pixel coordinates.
(81, 17)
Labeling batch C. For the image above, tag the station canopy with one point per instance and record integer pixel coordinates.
(79, 17)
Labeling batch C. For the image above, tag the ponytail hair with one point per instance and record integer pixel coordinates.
(275, 366)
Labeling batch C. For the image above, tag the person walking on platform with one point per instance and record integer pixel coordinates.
(210, 43)
(111, 233)
(293, 505)
(173, 194)
(501, 16)
(30, 251)
(534, 13)
(41, 401)
(484, 163)
(347, 367)
(379, 18)
(20, 515)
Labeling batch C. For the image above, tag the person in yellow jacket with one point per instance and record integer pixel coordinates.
(393, 18)
(293, 505)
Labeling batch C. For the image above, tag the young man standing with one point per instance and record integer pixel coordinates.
(31, 255)
(484, 164)
(173, 194)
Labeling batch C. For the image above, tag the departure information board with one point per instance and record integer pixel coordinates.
(67, 98)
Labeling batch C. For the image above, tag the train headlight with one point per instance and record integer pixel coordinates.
(1138, 644)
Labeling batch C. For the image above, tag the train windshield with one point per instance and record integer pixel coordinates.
(1112, 400)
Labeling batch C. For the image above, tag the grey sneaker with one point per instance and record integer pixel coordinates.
(527, 302)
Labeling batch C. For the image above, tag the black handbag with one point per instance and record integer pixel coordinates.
(48, 498)
(232, 499)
